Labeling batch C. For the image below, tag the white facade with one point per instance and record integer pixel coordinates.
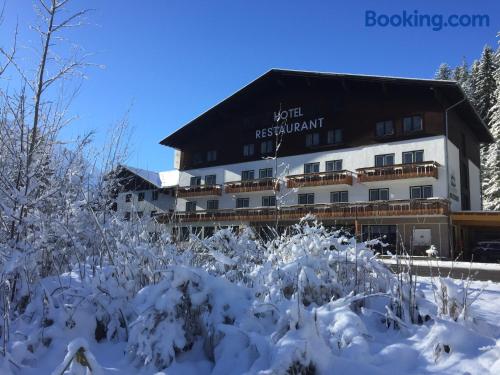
(157, 199)
(147, 206)
(352, 158)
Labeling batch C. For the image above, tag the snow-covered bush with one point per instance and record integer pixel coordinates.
(186, 306)
(454, 298)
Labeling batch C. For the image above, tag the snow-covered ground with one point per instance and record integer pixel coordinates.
(411, 351)
(312, 302)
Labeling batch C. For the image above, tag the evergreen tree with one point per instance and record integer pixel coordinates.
(444, 72)
(485, 84)
(491, 184)
(474, 73)
(462, 75)
(491, 157)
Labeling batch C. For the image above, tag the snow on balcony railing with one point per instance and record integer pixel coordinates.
(398, 171)
(413, 207)
(245, 186)
(320, 178)
(198, 190)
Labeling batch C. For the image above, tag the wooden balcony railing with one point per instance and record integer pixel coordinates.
(414, 207)
(246, 186)
(198, 190)
(319, 179)
(398, 171)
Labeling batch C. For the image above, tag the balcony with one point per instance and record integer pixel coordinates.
(319, 179)
(198, 191)
(398, 171)
(414, 207)
(247, 186)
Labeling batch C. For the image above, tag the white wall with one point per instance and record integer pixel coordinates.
(164, 203)
(475, 187)
(353, 158)
(454, 170)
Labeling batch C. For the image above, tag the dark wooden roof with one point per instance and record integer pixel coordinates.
(446, 93)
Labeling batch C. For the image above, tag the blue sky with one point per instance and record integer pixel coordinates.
(175, 59)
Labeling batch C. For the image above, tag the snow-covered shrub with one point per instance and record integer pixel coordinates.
(78, 360)
(454, 298)
(186, 306)
(228, 254)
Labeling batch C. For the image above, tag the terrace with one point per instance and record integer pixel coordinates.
(246, 186)
(398, 171)
(413, 207)
(320, 179)
(198, 191)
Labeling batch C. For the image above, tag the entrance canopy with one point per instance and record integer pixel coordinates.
(476, 218)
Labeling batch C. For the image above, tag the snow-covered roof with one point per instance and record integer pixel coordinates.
(159, 179)
(169, 178)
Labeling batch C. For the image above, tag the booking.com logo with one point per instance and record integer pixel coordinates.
(434, 21)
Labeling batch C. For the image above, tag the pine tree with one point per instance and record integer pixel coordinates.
(444, 72)
(491, 184)
(485, 84)
(462, 75)
(491, 156)
(474, 73)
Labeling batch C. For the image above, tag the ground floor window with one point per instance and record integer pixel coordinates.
(385, 233)
(208, 232)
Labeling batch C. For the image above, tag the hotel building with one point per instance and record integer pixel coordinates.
(382, 156)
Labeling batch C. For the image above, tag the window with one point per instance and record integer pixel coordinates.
(383, 160)
(266, 147)
(153, 213)
(312, 139)
(384, 128)
(208, 232)
(306, 198)
(334, 136)
(140, 197)
(212, 155)
(191, 206)
(128, 197)
(339, 196)
(248, 150)
(197, 158)
(212, 204)
(412, 124)
(410, 157)
(154, 195)
(269, 201)
(266, 173)
(333, 166)
(311, 168)
(417, 192)
(127, 216)
(247, 175)
(379, 194)
(242, 202)
(195, 181)
(210, 180)
(140, 214)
